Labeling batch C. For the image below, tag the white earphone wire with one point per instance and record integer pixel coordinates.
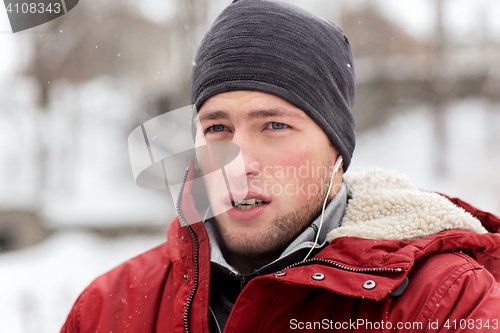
(335, 169)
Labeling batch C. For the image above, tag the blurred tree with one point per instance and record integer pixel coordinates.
(116, 40)
(396, 70)
(441, 89)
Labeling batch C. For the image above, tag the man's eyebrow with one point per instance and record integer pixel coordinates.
(213, 115)
(217, 115)
(273, 113)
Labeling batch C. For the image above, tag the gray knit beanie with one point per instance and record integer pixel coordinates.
(283, 50)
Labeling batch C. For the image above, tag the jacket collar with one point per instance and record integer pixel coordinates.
(387, 206)
(394, 224)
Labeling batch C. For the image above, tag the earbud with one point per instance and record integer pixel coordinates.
(337, 165)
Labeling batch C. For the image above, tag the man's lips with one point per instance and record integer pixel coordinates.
(247, 214)
(235, 197)
(250, 212)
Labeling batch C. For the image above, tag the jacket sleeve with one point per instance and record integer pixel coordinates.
(72, 324)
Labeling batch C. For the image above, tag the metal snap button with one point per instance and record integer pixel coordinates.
(369, 284)
(280, 273)
(318, 276)
(186, 277)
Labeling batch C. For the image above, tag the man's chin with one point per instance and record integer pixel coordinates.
(254, 248)
(258, 244)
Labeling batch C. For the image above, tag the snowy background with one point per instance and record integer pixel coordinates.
(73, 89)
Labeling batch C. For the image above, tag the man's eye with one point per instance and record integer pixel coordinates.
(216, 128)
(277, 126)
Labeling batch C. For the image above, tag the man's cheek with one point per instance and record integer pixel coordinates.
(300, 190)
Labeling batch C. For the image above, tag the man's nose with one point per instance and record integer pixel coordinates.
(247, 162)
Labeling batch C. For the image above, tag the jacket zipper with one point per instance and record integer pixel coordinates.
(345, 268)
(195, 256)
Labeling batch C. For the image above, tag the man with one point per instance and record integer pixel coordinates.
(306, 248)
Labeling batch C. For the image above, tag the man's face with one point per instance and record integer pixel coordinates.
(288, 162)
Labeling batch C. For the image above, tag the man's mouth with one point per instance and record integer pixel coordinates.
(247, 204)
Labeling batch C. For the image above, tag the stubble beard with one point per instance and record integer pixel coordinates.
(267, 245)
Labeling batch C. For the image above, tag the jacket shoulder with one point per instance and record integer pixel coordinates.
(448, 286)
(130, 291)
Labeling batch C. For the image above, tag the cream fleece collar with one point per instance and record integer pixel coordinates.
(387, 206)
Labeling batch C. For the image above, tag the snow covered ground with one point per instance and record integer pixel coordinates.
(38, 285)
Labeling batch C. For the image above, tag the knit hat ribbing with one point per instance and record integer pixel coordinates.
(280, 49)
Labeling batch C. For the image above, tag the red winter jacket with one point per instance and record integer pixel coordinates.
(355, 284)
